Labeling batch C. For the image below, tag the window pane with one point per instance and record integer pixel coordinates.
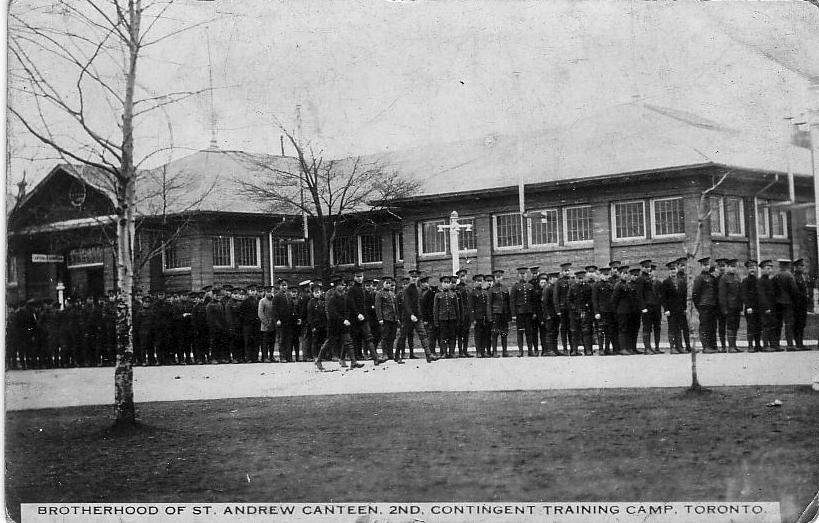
(177, 254)
(669, 217)
(398, 245)
(778, 221)
(734, 216)
(433, 241)
(630, 220)
(246, 251)
(715, 205)
(280, 258)
(345, 250)
(544, 230)
(85, 256)
(301, 254)
(370, 248)
(221, 251)
(11, 269)
(578, 224)
(508, 231)
(762, 220)
(466, 239)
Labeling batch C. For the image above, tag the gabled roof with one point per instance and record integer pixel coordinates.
(625, 139)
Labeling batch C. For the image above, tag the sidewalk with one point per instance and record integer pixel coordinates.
(95, 386)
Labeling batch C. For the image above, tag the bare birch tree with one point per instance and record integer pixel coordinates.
(330, 192)
(86, 108)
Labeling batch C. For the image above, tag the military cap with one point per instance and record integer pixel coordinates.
(445, 278)
(497, 271)
(732, 262)
(653, 266)
(193, 294)
(404, 279)
(522, 269)
(305, 283)
(704, 261)
(424, 279)
(337, 279)
(281, 280)
(605, 270)
(477, 277)
(635, 270)
(671, 264)
(565, 265)
(542, 276)
(252, 286)
(623, 268)
(534, 268)
(580, 273)
(462, 271)
(645, 263)
(721, 261)
(314, 287)
(763, 263)
(554, 274)
(799, 261)
(489, 277)
(614, 264)
(681, 259)
(783, 262)
(414, 272)
(387, 278)
(591, 268)
(749, 261)
(207, 288)
(358, 271)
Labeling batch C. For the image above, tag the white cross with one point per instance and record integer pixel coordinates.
(454, 230)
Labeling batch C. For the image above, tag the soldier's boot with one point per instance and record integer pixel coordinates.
(732, 342)
(503, 346)
(588, 346)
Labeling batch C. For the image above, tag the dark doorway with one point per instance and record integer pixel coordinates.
(96, 282)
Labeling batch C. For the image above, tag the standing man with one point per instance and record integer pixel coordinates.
(427, 302)
(446, 313)
(266, 311)
(561, 294)
(675, 301)
(580, 314)
(478, 299)
(730, 302)
(648, 289)
(249, 317)
(625, 302)
(721, 326)
(521, 298)
(750, 301)
(370, 289)
(804, 296)
(704, 295)
(602, 291)
(549, 318)
(766, 297)
(338, 326)
(411, 316)
(315, 322)
(360, 329)
(464, 322)
(786, 296)
(537, 296)
(386, 312)
(498, 308)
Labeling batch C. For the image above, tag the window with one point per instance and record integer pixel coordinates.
(629, 220)
(716, 217)
(176, 255)
(578, 224)
(370, 245)
(466, 239)
(543, 231)
(735, 216)
(669, 217)
(398, 245)
(11, 270)
(779, 223)
(247, 251)
(432, 241)
(222, 251)
(302, 253)
(345, 250)
(762, 219)
(281, 254)
(85, 257)
(508, 230)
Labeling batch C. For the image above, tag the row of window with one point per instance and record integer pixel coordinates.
(573, 226)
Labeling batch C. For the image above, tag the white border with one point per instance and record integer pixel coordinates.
(722, 226)
(230, 243)
(333, 254)
(613, 210)
(577, 243)
(763, 205)
(654, 232)
(258, 264)
(174, 269)
(529, 229)
(741, 201)
(784, 216)
(310, 255)
(495, 232)
(466, 252)
(361, 250)
(420, 231)
(397, 246)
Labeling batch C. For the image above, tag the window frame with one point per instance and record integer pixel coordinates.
(100, 263)
(360, 255)
(529, 229)
(654, 223)
(495, 232)
(763, 206)
(723, 229)
(165, 267)
(783, 215)
(291, 258)
(230, 243)
(258, 264)
(573, 243)
(460, 222)
(333, 252)
(398, 246)
(614, 237)
(421, 238)
(12, 276)
(742, 233)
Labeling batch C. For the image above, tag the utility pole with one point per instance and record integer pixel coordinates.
(454, 231)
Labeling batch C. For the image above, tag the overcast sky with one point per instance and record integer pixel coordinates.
(377, 75)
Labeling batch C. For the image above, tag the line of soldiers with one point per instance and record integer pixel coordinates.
(555, 313)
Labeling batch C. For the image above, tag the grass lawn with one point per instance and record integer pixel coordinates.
(606, 445)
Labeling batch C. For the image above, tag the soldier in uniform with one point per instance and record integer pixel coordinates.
(408, 338)
(109, 328)
(144, 327)
(549, 317)
(625, 302)
(721, 326)
(602, 291)
(387, 314)
(804, 297)
(766, 298)
(704, 295)
(750, 302)
(465, 321)
(446, 312)
(730, 302)
(478, 315)
(411, 316)
(561, 293)
(315, 322)
(360, 329)
(675, 299)
(338, 326)
(249, 319)
(370, 289)
(217, 327)
(521, 302)
(580, 314)
(537, 297)
(283, 319)
(787, 295)
(498, 308)
(648, 289)
(266, 312)
(427, 302)
(199, 325)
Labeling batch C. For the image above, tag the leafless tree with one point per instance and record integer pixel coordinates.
(330, 192)
(691, 251)
(74, 85)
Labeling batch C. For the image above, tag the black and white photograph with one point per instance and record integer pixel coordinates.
(411, 261)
